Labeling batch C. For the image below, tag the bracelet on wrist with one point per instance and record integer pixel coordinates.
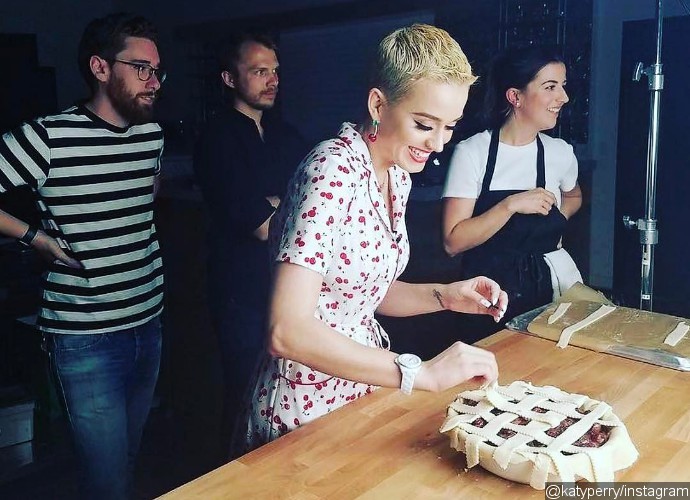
(29, 236)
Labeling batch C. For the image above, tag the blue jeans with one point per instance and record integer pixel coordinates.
(107, 382)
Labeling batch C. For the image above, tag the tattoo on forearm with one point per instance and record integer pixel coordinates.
(439, 297)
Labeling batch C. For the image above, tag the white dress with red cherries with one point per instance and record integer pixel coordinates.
(334, 222)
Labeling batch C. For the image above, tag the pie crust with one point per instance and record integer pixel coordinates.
(677, 334)
(528, 454)
(560, 311)
(568, 332)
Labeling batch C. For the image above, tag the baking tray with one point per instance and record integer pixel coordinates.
(649, 350)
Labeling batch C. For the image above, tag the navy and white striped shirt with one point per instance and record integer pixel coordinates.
(94, 185)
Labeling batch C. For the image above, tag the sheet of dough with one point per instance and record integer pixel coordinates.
(582, 292)
(624, 326)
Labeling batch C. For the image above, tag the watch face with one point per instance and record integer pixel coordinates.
(409, 360)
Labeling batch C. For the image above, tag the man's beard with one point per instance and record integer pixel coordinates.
(127, 105)
(255, 101)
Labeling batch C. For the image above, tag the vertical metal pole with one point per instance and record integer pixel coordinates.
(647, 227)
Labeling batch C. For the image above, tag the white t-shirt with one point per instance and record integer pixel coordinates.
(516, 167)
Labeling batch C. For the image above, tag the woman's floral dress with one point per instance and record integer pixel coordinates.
(332, 221)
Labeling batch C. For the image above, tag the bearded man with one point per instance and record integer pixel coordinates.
(93, 169)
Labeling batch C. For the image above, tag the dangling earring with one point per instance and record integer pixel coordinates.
(372, 137)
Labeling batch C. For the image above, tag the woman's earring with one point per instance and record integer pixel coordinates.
(373, 136)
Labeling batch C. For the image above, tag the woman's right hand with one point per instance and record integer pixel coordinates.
(49, 248)
(457, 364)
(534, 201)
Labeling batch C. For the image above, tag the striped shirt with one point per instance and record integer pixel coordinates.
(94, 188)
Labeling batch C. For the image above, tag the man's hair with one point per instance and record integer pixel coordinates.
(229, 48)
(416, 52)
(105, 37)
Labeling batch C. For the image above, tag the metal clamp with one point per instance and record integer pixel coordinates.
(654, 75)
(649, 235)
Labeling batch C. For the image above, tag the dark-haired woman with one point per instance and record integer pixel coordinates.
(511, 189)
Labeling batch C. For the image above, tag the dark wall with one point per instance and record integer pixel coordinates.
(26, 89)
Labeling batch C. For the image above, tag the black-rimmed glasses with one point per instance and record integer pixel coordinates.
(145, 71)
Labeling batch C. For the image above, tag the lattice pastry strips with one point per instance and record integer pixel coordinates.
(504, 429)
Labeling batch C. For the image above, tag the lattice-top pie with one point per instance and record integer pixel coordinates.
(536, 434)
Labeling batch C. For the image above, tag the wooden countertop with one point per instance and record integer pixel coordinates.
(387, 445)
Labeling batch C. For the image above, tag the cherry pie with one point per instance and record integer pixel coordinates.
(533, 434)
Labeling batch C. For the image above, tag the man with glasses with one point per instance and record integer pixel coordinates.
(243, 161)
(93, 169)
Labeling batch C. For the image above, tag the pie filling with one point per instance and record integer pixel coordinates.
(595, 437)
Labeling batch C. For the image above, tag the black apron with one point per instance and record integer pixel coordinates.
(513, 256)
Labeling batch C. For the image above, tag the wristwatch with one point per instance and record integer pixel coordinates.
(409, 365)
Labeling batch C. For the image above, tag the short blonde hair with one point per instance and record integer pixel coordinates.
(420, 51)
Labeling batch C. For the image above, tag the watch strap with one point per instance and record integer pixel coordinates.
(407, 381)
(409, 365)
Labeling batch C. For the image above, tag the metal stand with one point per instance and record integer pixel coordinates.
(649, 235)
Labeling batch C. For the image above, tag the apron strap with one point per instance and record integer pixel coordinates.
(541, 167)
(491, 161)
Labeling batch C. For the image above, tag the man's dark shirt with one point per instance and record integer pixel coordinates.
(237, 170)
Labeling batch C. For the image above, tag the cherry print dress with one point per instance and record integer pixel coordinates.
(334, 222)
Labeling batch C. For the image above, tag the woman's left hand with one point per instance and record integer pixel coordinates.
(479, 295)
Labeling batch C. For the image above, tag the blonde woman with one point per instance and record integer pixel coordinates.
(340, 244)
